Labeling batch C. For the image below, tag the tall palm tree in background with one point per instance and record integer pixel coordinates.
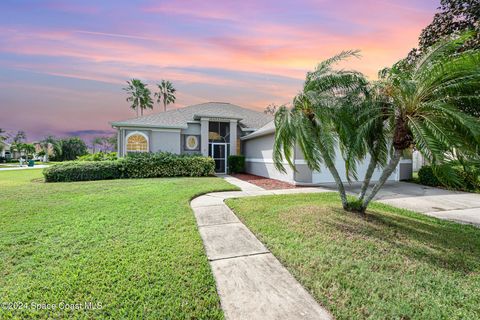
(96, 141)
(2, 138)
(340, 110)
(166, 93)
(139, 96)
(53, 145)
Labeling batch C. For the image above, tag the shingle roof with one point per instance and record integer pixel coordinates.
(178, 118)
(268, 128)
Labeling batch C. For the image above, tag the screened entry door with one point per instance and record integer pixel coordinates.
(219, 153)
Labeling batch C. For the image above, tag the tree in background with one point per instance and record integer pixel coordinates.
(72, 148)
(3, 134)
(22, 149)
(165, 94)
(2, 138)
(17, 142)
(20, 136)
(28, 149)
(104, 143)
(96, 141)
(455, 17)
(138, 95)
(51, 147)
(110, 143)
(271, 109)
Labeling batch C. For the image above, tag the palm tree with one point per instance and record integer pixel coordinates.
(97, 141)
(422, 108)
(2, 138)
(317, 120)
(50, 143)
(340, 110)
(139, 96)
(166, 93)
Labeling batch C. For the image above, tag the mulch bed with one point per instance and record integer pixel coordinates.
(266, 183)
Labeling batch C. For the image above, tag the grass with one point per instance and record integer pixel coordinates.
(130, 245)
(395, 264)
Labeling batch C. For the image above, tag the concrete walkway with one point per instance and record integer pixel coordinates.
(251, 282)
(38, 166)
(461, 207)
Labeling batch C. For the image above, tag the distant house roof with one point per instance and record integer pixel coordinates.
(178, 118)
(5, 143)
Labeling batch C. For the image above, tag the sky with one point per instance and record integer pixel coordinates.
(63, 64)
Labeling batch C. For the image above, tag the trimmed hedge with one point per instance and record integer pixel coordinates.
(236, 164)
(99, 156)
(142, 165)
(83, 171)
(163, 164)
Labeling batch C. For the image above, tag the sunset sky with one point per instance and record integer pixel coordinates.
(63, 63)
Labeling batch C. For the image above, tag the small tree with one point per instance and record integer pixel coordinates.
(28, 149)
(165, 94)
(52, 148)
(72, 148)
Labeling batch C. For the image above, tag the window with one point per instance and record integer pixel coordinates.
(137, 142)
(219, 132)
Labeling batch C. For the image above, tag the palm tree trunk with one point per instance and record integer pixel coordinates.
(338, 182)
(368, 177)
(164, 105)
(387, 171)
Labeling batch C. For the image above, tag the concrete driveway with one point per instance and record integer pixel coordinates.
(461, 207)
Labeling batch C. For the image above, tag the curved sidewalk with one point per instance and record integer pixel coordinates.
(251, 282)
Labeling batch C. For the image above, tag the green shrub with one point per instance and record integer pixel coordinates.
(83, 171)
(141, 165)
(236, 164)
(163, 164)
(427, 177)
(450, 176)
(99, 156)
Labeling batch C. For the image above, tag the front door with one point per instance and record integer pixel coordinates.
(219, 152)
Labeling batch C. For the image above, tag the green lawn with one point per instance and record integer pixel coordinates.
(130, 245)
(394, 265)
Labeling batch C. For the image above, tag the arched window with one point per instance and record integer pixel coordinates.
(137, 142)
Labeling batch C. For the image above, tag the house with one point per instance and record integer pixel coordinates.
(219, 129)
(5, 150)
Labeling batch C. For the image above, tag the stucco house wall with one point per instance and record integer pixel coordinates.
(259, 159)
(324, 175)
(167, 141)
(258, 152)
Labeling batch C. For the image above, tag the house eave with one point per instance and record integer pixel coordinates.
(258, 134)
(150, 126)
